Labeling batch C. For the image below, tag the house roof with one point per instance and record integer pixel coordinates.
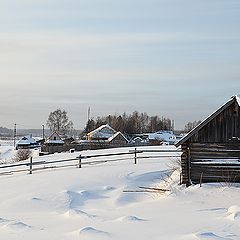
(115, 135)
(100, 128)
(166, 136)
(26, 140)
(235, 98)
(57, 141)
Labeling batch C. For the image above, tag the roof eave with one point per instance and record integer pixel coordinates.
(206, 121)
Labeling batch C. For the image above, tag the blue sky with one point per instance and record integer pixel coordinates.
(176, 58)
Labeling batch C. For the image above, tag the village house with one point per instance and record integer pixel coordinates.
(103, 132)
(54, 139)
(105, 136)
(118, 139)
(27, 142)
(211, 151)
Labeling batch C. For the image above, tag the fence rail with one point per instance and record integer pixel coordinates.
(77, 162)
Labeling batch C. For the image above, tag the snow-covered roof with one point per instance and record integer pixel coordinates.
(56, 135)
(27, 140)
(235, 98)
(138, 139)
(238, 99)
(166, 136)
(104, 131)
(115, 135)
(55, 141)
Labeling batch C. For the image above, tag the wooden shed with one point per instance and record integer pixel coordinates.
(211, 151)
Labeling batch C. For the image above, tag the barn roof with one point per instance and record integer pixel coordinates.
(235, 98)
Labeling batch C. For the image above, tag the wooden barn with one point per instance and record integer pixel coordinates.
(211, 151)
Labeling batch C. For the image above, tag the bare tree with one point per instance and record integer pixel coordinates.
(58, 121)
(23, 154)
(190, 125)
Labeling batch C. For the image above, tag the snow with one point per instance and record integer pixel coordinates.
(115, 135)
(90, 203)
(166, 136)
(238, 99)
(104, 131)
(55, 141)
(27, 140)
(7, 152)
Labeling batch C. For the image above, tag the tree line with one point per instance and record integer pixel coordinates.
(135, 122)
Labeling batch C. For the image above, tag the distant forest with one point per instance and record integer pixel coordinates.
(5, 131)
(135, 122)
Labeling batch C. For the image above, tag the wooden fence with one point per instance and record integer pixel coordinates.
(135, 155)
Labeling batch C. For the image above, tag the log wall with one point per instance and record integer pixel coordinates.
(210, 162)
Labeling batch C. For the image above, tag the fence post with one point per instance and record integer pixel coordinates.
(30, 165)
(135, 156)
(80, 161)
(201, 177)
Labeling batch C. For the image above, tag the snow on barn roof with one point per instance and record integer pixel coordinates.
(238, 99)
(235, 98)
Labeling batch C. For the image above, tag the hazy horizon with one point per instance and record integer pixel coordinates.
(177, 59)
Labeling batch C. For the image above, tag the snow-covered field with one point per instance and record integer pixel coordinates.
(90, 203)
(6, 151)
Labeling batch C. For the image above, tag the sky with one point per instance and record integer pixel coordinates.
(174, 58)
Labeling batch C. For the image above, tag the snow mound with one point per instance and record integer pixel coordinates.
(78, 213)
(14, 225)
(210, 235)
(19, 226)
(67, 200)
(141, 180)
(233, 212)
(90, 233)
(6, 155)
(131, 219)
(149, 177)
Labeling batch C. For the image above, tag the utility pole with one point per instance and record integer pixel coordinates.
(88, 114)
(43, 132)
(173, 125)
(14, 134)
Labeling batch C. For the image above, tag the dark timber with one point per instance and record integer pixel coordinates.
(211, 151)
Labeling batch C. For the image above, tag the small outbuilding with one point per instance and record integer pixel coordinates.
(211, 151)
